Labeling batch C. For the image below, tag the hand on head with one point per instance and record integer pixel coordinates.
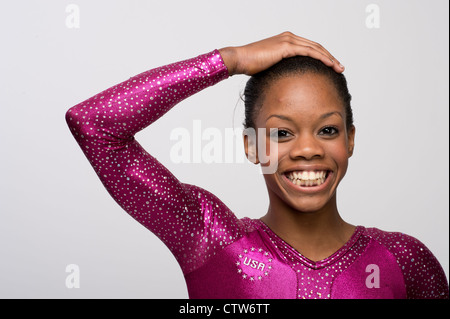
(258, 56)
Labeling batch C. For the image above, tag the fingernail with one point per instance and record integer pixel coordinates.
(342, 67)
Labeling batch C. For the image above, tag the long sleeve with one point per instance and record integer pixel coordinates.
(423, 275)
(192, 222)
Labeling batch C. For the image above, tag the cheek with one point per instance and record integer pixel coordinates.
(279, 155)
(339, 153)
(269, 153)
(277, 150)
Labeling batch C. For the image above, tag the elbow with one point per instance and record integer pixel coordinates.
(77, 121)
(86, 127)
(73, 119)
(69, 116)
(82, 125)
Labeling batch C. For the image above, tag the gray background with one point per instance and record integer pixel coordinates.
(54, 210)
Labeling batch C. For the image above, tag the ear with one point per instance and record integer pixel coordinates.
(250, 148)
(351, 140)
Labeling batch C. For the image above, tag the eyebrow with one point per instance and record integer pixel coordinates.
(280, 117)
(323, 116)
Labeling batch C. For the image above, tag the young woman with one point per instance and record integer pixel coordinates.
(301, 247)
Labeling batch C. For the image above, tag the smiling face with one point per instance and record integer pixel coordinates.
(307, 117)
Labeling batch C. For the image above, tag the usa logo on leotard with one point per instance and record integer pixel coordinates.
(254, 264)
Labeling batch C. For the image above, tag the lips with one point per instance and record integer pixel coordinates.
(307, 178)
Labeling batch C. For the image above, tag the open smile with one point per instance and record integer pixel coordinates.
(308, 180)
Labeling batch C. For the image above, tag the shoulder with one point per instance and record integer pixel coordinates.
(423, 274)
(215, 213)
(396, 242)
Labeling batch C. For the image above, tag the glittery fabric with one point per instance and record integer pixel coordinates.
(222, 256)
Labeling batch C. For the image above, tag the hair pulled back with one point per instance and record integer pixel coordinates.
(293, 66)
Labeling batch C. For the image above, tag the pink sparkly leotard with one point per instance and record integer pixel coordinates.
(223, 256)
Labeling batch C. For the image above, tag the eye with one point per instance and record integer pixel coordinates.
(279, 134)
(329, 131)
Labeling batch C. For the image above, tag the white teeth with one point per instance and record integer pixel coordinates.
(307, 178)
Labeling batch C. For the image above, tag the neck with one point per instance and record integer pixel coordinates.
(316, 235)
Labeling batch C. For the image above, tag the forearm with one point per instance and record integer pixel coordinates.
(118, 113)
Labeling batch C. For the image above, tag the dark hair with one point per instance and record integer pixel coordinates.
(298, 65)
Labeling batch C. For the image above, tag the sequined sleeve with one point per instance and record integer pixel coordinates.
(192, 222)
(423, 274)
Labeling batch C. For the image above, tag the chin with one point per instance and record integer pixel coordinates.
(308, 207)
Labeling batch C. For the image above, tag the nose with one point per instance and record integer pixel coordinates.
(306, 146)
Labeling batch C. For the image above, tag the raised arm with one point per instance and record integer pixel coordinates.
(104, 126)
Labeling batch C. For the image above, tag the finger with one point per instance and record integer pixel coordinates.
(325, 56)
(320, 55)
(303, 41)
(335, 63)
